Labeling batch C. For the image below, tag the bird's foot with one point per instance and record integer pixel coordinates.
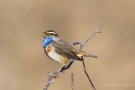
(56, 74)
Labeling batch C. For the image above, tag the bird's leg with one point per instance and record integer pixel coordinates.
(56, 74)
(61, 69)
(68, 65)
(65, 67)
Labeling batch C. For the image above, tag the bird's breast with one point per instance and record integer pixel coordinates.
(50, 51)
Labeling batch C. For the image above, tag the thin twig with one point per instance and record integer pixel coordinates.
(49, 81)
(81, 45)
(84, 68)
(72, 81)
(97, 31)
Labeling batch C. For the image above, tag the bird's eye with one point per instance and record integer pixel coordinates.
(51, 34)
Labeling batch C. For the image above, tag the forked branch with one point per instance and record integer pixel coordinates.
(81, 46)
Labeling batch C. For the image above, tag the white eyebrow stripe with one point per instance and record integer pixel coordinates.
(51, 32)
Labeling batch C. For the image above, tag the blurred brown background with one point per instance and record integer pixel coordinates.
(23, 64)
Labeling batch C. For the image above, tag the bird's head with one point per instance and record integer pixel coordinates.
(52, 34)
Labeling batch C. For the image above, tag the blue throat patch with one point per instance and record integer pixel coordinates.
(46, 41)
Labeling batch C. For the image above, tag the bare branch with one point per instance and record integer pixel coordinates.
(56, 74)
(84, 68)
(51, 76)
(72, 81)
(97, 31)
(81, 45)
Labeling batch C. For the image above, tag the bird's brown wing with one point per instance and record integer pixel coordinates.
(65, 50)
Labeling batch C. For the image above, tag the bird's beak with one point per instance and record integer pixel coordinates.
(46, 34)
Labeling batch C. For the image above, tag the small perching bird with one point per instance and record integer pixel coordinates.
(59, 50)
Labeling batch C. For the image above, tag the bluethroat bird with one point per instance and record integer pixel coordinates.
(59, 50)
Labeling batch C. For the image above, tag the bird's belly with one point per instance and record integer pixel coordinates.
(56, 57)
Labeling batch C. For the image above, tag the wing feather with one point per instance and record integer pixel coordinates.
(64, 49)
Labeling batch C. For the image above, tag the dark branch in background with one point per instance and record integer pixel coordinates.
(64, 67)
(72, 81)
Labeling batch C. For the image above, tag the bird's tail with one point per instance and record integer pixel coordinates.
(84, 54)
